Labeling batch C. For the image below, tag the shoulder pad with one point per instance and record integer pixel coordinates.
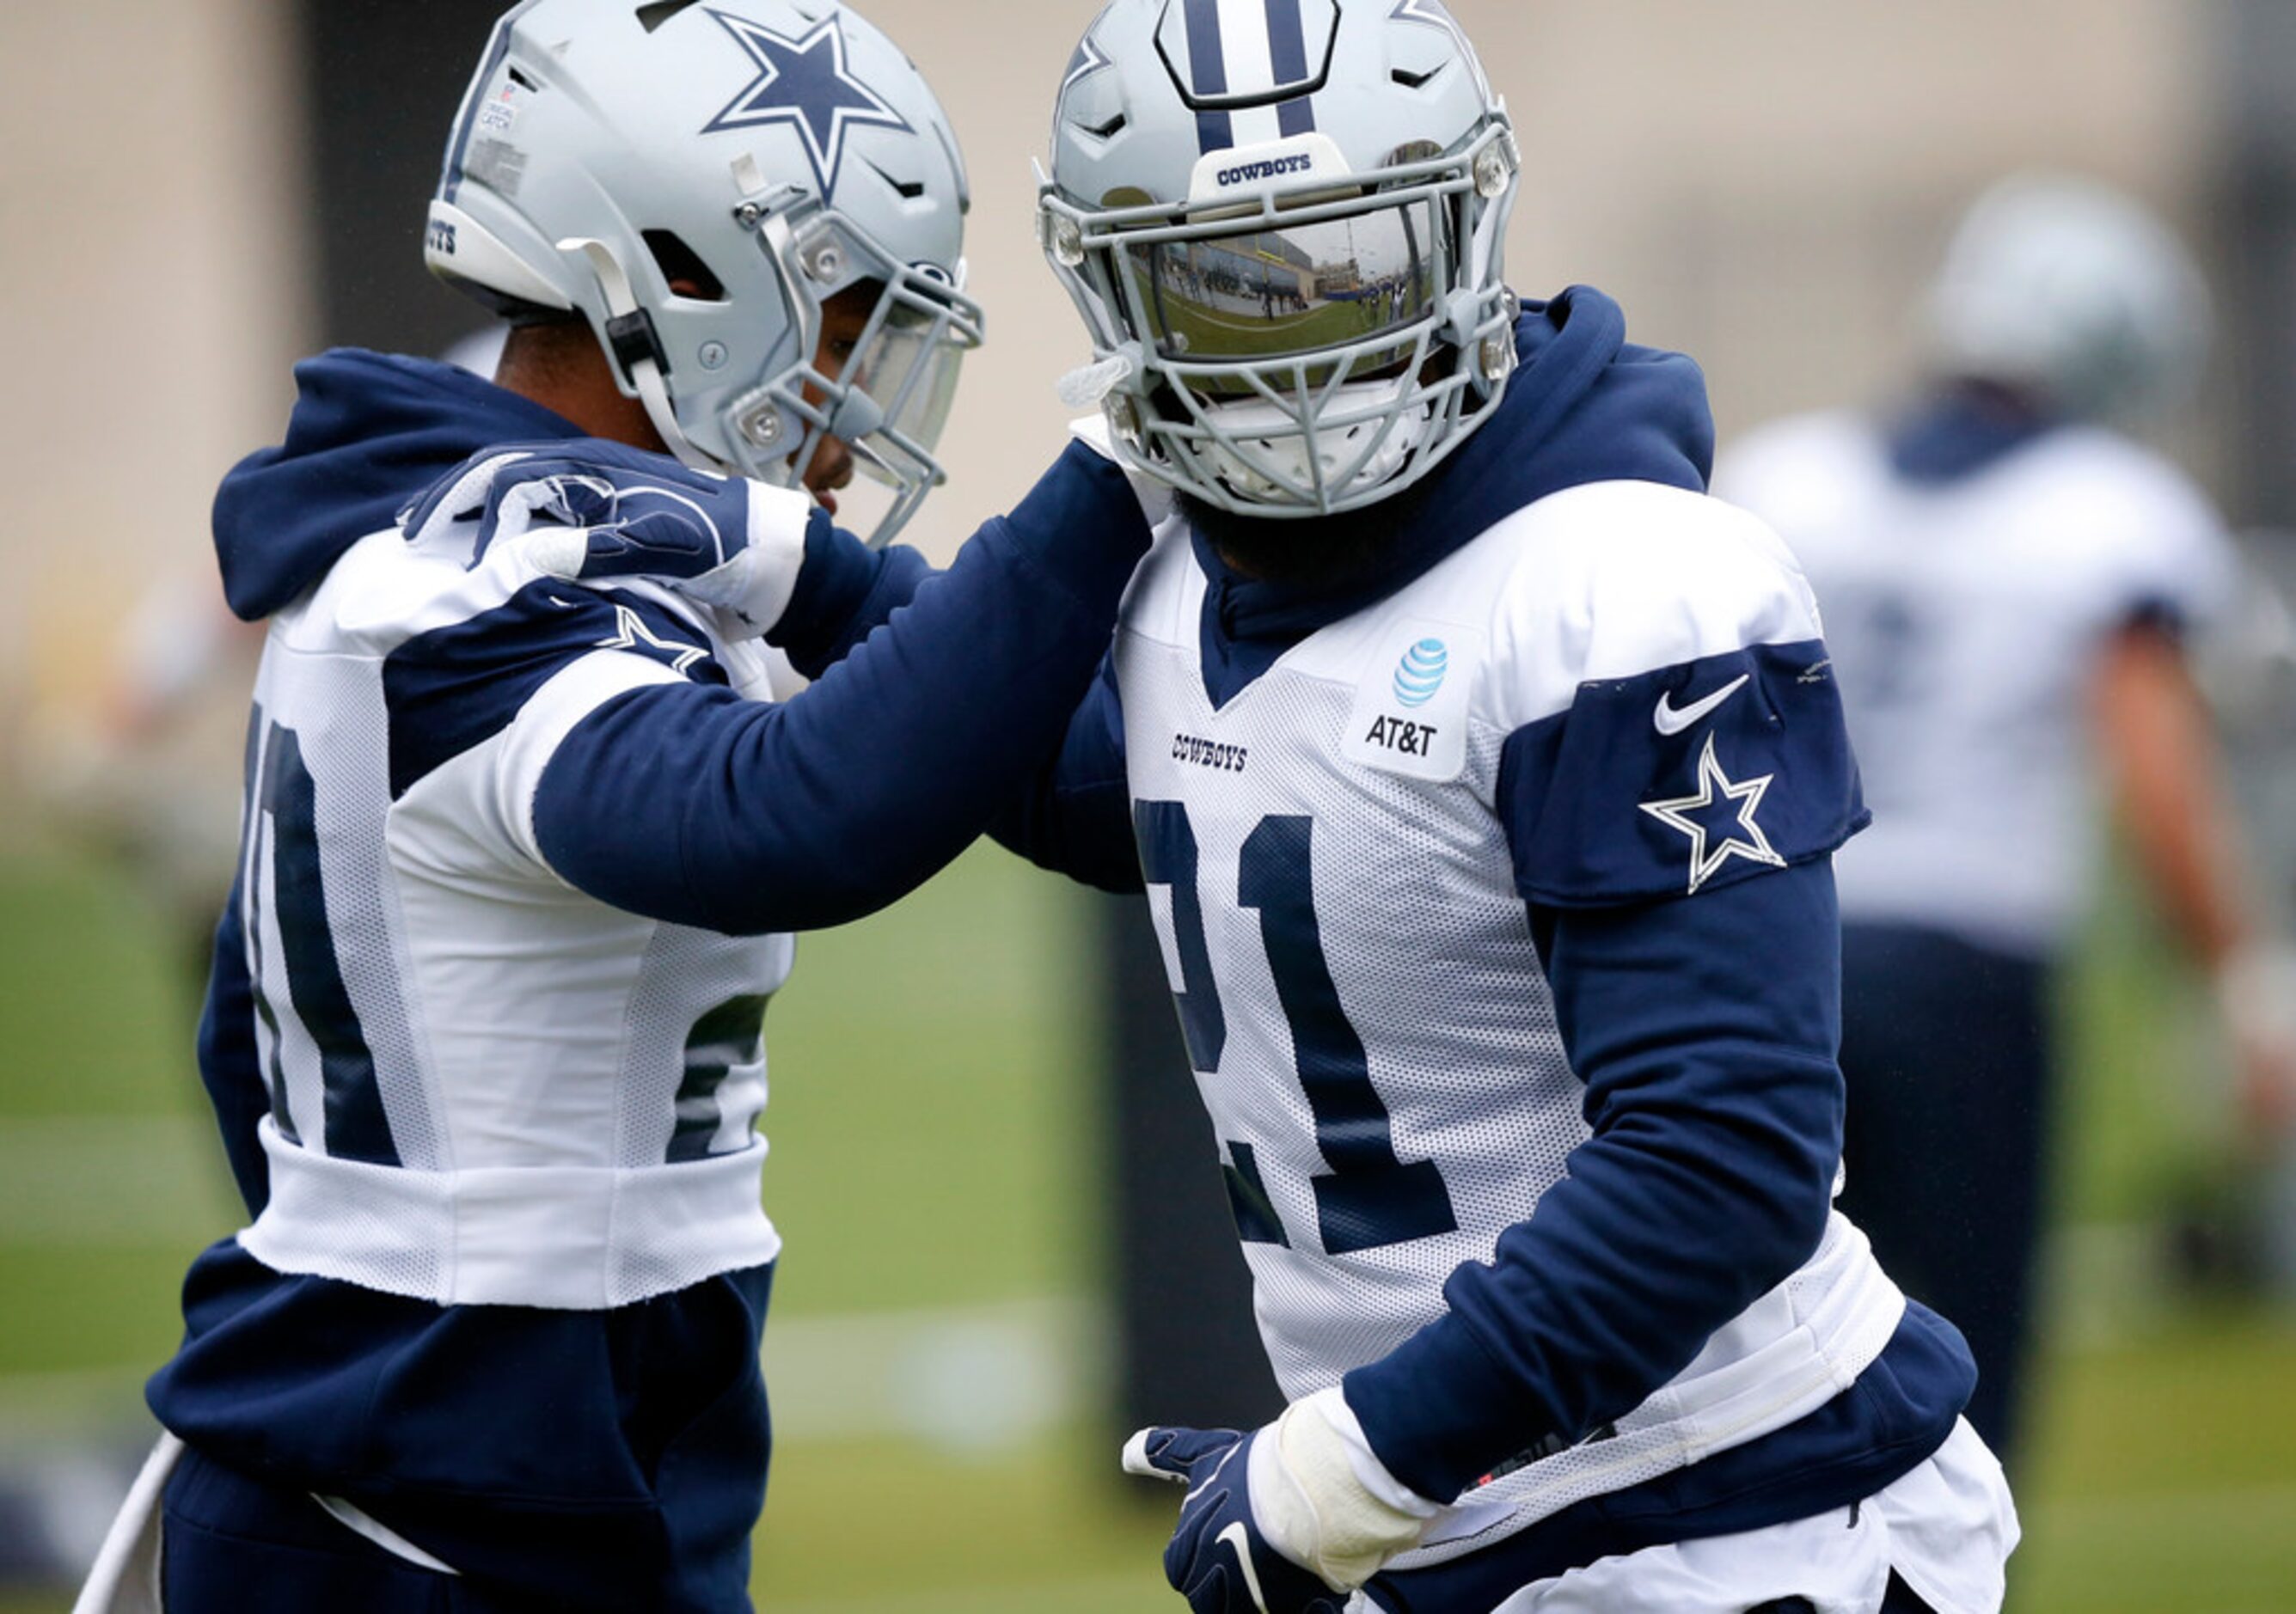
(1616, 579)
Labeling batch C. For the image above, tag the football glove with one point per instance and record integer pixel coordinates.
(1289, 1520)
(591, 510)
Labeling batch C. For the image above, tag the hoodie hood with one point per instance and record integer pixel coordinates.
(1583, 406)
(369, 434)
(1961, 430)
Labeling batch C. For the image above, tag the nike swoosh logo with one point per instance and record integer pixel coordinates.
(1672, 722)
(1236, 1537)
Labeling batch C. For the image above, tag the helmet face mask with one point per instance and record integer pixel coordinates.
(891, 397)
(1284, 331)
(789, 155)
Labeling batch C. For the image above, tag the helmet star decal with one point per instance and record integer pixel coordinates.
(1741, 836)
(803, 82)
(1088, 60)
(1433, 14)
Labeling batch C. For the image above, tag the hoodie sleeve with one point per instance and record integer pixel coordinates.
(1672, 829)
(681, 800)
(1075, 815)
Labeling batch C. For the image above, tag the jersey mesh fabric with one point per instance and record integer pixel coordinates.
(524, 1047)
(1458, 1031)
(331, 706)
(1428, 947)
(683, 967)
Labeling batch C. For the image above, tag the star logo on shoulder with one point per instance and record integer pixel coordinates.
(1738, 835)
(804, 82)
(631, 633)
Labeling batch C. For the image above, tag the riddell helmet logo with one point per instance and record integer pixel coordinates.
(1420, 672)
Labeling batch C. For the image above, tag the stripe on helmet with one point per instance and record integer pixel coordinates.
(1287, 51)
(450, 177)
(1208, 73)
(1245, 49)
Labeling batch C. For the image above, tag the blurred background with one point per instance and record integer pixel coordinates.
(194, 194)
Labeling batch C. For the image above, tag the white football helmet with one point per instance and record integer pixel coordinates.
(1283, 221)
(2070, 289)
(773, 154)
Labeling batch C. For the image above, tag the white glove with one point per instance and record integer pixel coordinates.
(1325, 1500)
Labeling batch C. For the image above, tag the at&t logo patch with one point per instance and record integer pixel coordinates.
(1410, 713)
(1419, 675)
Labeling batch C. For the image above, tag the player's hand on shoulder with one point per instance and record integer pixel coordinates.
(1281, 1520)
(595, 512)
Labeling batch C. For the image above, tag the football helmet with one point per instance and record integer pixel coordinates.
(2071, 291)
(765, 156)
(1283, 221)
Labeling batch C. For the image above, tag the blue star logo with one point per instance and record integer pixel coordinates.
(805, 83)
(1737, 835)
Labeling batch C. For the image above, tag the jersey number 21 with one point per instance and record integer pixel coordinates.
(1368, 1197)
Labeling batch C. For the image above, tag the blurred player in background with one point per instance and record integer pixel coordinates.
(1484, 777)
(2009, 585)
(522, 839)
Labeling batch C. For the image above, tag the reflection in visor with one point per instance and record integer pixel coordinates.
(1279, 292)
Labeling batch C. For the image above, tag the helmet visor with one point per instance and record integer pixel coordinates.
(1281, 291)
(907, 365)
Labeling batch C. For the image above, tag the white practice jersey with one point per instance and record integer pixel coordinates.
(486, 1087)
(1966, 619)
(1342, 923)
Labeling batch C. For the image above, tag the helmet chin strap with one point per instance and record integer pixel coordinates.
(640, 359)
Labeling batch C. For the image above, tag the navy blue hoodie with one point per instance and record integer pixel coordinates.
(1725, 1066)
(616, 1460)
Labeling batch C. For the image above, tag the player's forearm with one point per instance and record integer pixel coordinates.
(1705, 1030)
(2154, 733)
(845, 592)
(689, 806)
(1074, 817)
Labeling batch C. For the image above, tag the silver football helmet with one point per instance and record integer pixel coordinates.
(1283, 221)
(767, 156)
(2071, 291)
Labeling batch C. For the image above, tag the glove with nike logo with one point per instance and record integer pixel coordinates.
(590, 511)
(1289, 1520)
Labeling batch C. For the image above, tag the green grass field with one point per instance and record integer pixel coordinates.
(932, 1085)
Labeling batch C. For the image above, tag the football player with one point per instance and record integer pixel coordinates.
(1484, 777)
(523, 839)
(2010, 583)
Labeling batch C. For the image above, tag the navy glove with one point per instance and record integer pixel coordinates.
(592, 511)
(1218, 1558)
